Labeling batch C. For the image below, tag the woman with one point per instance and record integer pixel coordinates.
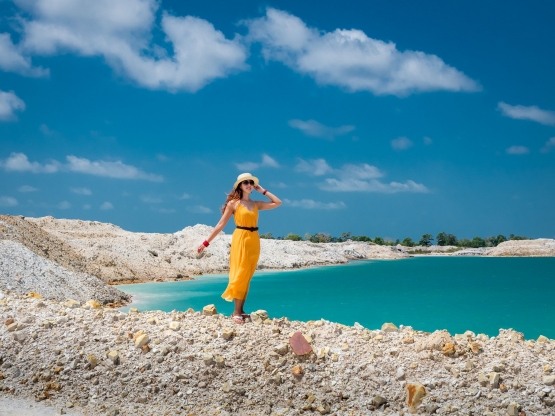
(245, 242)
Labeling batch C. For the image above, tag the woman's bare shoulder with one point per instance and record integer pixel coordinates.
(233, 204)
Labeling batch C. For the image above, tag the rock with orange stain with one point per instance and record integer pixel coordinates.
(475, 347)
(448, 349)
(435, 341)
(415, 394)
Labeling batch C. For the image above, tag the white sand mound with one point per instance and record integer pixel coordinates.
(542, 247)
(22, 271)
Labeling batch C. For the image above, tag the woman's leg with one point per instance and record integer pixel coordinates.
(238, 306)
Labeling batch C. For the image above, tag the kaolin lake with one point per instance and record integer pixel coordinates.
(427, 293)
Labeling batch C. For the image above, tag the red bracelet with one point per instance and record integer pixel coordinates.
(264, 193)
(206, 243)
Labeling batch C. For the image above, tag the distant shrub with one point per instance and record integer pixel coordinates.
(293, 237)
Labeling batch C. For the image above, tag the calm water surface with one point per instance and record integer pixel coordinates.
(427, 293)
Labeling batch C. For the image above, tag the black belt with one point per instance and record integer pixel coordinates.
(251, 229)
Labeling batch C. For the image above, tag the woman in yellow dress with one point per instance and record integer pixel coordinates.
(245, 242)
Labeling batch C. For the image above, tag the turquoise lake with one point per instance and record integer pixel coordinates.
(427, 293)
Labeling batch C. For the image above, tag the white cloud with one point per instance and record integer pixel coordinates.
(311, 204)
(116, 169)
(362, 171)
(185, 196)
(64, 205)
(199, 209)
(18, 162)
(522, 112)
(81, 191)
(106, 206)
(279, 185)
(151, 199)
(319, 167)
(401, 143)
(315, 129)
(161, 157)
(374, 185)
(9, 104)
(517, 150)
(86, 206)
(12, 59)
(26, 189)
(122, 33)
(314, 167)
(351, 60)
(549, 145)
(8, 201)
(427, 141)
(267, 162)
(355, 178)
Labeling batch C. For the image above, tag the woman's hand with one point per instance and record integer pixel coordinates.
(258, 188)
(201, 248)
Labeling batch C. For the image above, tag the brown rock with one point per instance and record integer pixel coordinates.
(92, 304)
(448, 349)
(209, 310)
(138, 334)
(297, 371)
(12, 327)
(475, 347)
(92, 360)
(409, 340)
(513, 409)
(141, 340)
(54, 385)
(494, 379)
(435, 341)
(9, 321)
(227, 334)
(389, 327)
(299, 345)
(415, 394)
(34, 295)
(113, 356)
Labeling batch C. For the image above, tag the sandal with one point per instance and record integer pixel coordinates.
(245, 316)
(238, 319)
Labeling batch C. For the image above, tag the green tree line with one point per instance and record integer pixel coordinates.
(442, 239)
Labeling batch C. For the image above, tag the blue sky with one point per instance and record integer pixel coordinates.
(379, 118)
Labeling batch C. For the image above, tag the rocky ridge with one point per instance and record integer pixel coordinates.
(119, 256)
(100, 361)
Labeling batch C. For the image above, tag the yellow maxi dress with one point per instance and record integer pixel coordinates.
(245, 251)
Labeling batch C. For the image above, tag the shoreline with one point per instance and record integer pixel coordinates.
(349, 262)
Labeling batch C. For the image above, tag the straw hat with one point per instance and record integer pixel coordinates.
(244, 177)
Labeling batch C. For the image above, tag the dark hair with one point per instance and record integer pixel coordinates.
(235, 195)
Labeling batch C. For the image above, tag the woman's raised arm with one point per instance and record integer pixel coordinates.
(276, 202)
